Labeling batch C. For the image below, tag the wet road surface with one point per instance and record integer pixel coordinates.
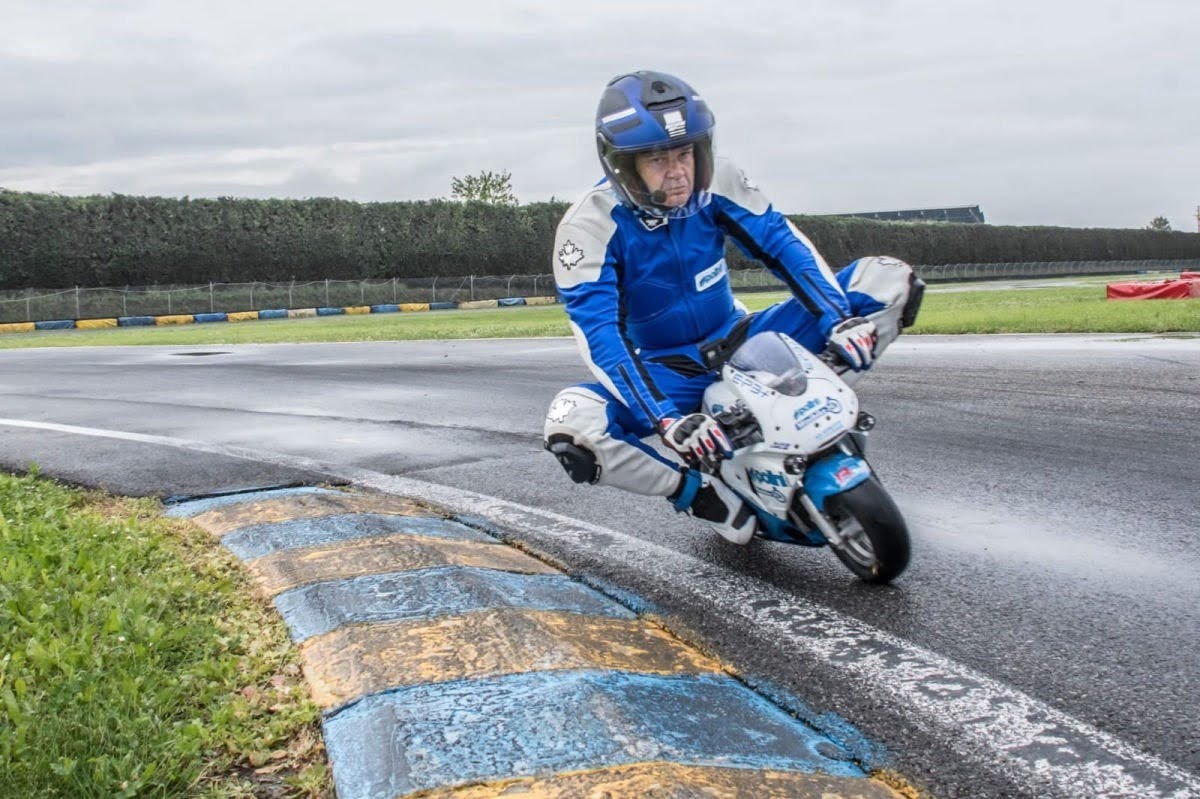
(1050, 484)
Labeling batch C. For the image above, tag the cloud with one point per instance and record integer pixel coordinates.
(1060, 113)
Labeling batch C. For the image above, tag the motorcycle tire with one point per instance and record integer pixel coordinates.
(877, 547)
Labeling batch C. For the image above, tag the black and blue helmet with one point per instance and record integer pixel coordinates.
(645, 111)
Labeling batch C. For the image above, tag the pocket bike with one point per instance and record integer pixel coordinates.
(799, 440)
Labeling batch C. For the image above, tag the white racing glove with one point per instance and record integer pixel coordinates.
(697, 437)
(854, 341)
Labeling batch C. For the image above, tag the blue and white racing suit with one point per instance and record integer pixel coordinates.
(642, 294)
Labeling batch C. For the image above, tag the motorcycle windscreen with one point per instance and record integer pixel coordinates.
(768, 358)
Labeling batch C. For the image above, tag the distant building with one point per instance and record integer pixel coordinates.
(967, 214)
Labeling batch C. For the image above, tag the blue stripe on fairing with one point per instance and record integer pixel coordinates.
(428, 593)
(197, 506)
(262, 539)
(422, 737)
(821, 480)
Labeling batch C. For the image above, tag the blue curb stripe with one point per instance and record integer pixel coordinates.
(635, 603)
(628, 599)
(426, 736)
(135, 321)
(330, 311)
(442, 306)
(385, 308)
(262, 539)
(201, 318)
(55, 324)
(508, 302)
(273, 313)
(197, 506)
(428, 593)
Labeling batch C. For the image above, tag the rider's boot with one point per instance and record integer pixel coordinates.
(707, 498)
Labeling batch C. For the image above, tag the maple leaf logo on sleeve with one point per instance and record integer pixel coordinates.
(570, 255)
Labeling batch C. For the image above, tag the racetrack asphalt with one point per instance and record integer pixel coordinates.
(1024, 464)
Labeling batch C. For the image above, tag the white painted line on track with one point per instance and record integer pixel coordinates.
(995, 728)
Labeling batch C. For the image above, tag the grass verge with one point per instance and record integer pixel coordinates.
(1051, 309)
(134, 660)
(1038, 310)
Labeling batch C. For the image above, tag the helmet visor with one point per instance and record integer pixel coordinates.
(669, 180)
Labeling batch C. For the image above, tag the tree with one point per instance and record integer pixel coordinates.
(1159, 223)
(494, 188)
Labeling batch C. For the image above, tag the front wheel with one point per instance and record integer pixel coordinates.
(874, 536)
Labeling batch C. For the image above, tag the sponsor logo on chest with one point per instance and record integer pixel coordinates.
(711, 276)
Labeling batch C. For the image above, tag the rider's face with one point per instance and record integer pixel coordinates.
(671, 171)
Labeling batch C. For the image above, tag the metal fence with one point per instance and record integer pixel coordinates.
(946, 272)
(99, 303)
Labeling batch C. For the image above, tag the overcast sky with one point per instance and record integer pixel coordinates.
(1061, 112)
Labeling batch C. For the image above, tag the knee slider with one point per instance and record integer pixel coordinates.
(579, 463)
(916, 293)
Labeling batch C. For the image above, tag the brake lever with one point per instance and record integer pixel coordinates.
(834, 360)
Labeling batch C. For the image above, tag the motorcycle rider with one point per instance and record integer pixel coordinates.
(639, 262)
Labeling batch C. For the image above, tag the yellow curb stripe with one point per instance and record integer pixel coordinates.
(355, 310)
(94, 324)
(364, 659)
(279, 571)
(672, 781)
(477, 305)
(304, 506)
(541, 300)
(18, 327)
(174, 319)
(242, 316)
(414, 306)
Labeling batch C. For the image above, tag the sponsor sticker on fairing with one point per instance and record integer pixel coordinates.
(814, 409)
(843, 475)
(750, 384)
(769, 484)
(764, 477)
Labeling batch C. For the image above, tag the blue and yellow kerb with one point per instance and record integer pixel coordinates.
(271, 313)
(450, 664)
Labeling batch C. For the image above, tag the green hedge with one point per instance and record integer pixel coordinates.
(50, 241)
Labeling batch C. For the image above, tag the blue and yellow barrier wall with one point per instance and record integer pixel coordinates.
(269, 313)
(448, 663)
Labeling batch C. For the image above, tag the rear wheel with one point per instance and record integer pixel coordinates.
(874, 536)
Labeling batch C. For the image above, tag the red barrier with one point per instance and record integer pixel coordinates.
(1163, 290)
(1189, 275)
